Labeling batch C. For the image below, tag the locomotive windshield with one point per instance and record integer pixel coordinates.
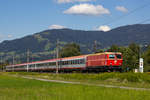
(118, 56)
(111, 56)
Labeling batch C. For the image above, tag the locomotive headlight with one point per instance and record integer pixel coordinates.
(115, 61)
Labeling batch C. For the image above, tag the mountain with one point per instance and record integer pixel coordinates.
(44, 43)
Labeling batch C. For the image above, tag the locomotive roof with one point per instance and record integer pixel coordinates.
(104, 53)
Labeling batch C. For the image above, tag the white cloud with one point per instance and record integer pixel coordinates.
(71, 1)
(56, 27)
(87, 9)
(9, 36)
(5, 37)
(104, 28)
(122, 9)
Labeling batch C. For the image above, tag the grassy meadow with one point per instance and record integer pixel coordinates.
(16, 88)
(119, 79)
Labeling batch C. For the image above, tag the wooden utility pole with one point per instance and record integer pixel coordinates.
(28, 55)
(95, 46)
(13, 62)
(1, 63)
(32, 57)
(57, 56)
(28, 59)
(1, 59)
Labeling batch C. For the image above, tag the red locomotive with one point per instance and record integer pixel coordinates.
(107, 61)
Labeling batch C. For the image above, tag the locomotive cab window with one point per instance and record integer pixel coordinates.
(118, 56)
(111, 56)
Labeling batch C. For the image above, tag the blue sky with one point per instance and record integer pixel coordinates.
(19, 18)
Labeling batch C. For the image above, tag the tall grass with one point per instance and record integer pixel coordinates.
(126, 79)
(12, 88)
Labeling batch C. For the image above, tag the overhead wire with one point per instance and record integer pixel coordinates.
(123, 16)
(142, 22)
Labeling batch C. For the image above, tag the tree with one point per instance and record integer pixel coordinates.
(146, 57)
(71, 49)
(135, 54)
(2, 65)
(135, 49)
(100, 51)
(114, 48)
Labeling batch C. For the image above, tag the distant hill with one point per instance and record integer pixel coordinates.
(45, 42)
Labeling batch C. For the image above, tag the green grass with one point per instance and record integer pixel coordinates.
(120, 79)
(12, 88)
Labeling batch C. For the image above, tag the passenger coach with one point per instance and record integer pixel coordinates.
(107, 61)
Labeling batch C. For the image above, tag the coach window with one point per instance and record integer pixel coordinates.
(62, 63)
(65, 62)
(59, 62)
(69, 62)
(49, 64)
(40, 65)
(45, 64)
(21, 66)
(30, 66)
(72, 62)
(37, 65)
(81, 61)
(78, 61)
(75, 61)
(53, 63)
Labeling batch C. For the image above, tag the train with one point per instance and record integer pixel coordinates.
(99, 62)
